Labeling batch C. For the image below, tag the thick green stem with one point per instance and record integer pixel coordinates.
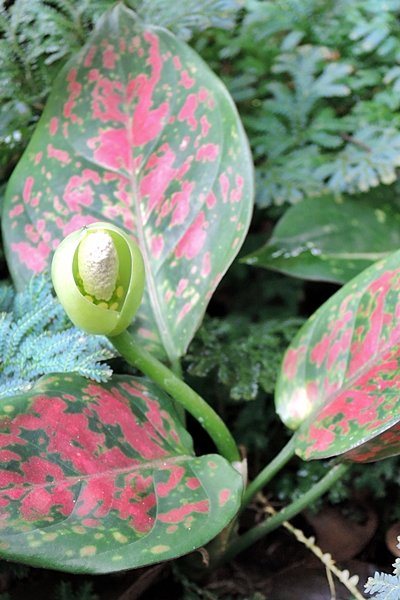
(267, 473)
(177, 370)
(140, 358)
(290, 511)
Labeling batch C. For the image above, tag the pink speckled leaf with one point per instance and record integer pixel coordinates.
(138, 131)
(99, 478)
(340, 378)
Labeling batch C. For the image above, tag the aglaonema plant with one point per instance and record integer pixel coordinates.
(140, 162)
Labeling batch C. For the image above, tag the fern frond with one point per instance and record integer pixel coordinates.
(5, 326)
(303, 66)
(188, 16)
(396, 564)
(6, 296)
(36, 338)
(384, 585)
(246, 357)
(14, 386)
(290, 178)
(370, 158)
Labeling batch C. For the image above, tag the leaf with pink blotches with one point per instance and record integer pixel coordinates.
(102, 477)
(340, 378)
(138, 131)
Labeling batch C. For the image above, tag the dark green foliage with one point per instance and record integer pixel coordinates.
(292, 484)
(36, 337)
(188, 16)
(317, 84)
(191, 591)
(246, 356)
(84, 592)
(16, 570)
(36, 39)
(374, 479)
(317, 87)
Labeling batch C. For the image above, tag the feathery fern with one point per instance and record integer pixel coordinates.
(384, 585)
(36, 338)
(246, 357)
(319, 97)
(188, 16)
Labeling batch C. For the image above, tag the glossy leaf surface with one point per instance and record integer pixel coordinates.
(102, 477)
(327, 240)
(340, 382)
(139, 132)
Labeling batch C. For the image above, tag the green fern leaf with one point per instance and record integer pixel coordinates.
(188, 16)
(36, 337)
(384, 585)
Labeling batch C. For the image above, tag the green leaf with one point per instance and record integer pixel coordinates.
(333, 240)
(99, 478)
(339, 383)
(138, 131)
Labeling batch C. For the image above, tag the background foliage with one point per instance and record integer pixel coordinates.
(317, 85)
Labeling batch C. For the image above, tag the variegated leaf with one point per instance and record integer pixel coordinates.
(138, 131)
(340, 379)
(102, 477)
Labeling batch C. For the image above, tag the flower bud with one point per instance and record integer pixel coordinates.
(98, 275)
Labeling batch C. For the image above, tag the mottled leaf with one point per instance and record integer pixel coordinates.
(138, 131)
(102, 477)
(340, 378)
(331, 240)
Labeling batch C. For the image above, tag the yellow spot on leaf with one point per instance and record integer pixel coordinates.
(159, 549)
(119, 537)
(78, 529)
(172, 528)
(88, 551)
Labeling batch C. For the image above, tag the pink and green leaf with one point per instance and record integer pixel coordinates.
(138, 131)
(102, 477)
(340, 379)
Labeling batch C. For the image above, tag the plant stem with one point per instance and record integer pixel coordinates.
(267, 473)
(140, 358)
(177, 370)
(290, 511)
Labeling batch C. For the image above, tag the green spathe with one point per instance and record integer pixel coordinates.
(126, 272)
